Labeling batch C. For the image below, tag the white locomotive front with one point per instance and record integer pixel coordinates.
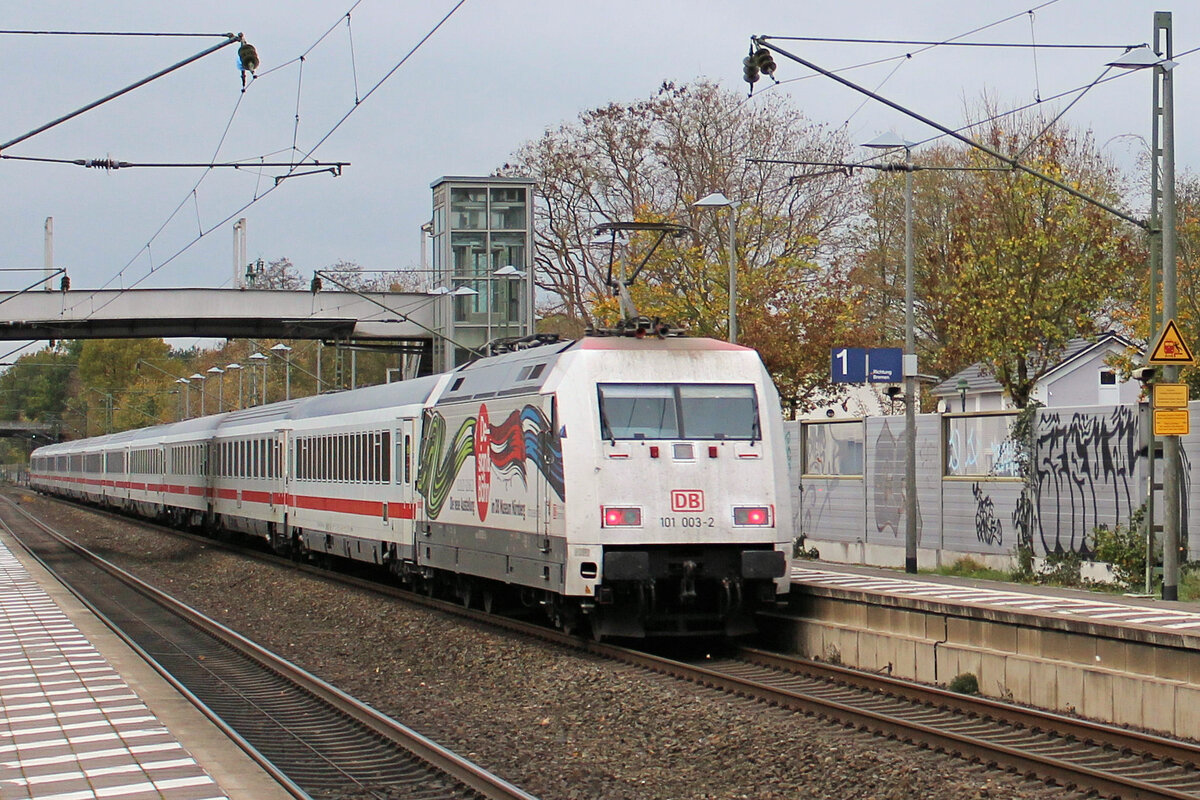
(637, 484)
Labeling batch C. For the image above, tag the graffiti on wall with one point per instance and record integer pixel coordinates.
(887, 483)
(988, 529)
(1084, 474)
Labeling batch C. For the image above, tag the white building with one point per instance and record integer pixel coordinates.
(1081, 378)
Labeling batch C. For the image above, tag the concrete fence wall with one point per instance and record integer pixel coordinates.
(1089, 468)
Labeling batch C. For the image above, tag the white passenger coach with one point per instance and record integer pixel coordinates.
(637, 484)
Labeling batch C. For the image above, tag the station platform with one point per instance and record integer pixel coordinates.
(82, 715)
(1130, 660)
(1134, 611)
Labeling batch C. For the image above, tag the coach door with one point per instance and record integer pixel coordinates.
(403, 509)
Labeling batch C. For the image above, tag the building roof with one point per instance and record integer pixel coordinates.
(979, 382)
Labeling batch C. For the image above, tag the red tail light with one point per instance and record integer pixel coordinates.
(617, 517)
(752, 515)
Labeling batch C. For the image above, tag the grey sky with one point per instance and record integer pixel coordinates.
(494, 76)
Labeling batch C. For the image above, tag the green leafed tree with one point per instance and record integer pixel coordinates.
(36, 387)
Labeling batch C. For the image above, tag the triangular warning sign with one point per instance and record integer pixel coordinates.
(1170, 347)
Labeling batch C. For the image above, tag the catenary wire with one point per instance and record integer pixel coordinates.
(308, 154)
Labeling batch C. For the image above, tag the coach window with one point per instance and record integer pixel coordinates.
(385, 450)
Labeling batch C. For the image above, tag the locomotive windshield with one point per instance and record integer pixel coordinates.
(678, 411)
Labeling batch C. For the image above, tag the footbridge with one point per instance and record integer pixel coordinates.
(403, 321)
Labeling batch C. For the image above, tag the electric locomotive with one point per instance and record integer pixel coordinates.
(638, 485)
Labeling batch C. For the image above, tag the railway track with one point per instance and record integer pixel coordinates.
(315, 740)
(1073, 753)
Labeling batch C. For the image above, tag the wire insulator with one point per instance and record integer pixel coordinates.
(105, 163)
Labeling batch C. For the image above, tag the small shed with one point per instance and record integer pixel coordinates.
(1081, 378)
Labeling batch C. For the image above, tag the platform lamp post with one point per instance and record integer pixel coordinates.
(238, 367)
(220, 373)
(718, 200)
(261, 359)
(282, 351)
(1164, 112)
(962, 386)
(185, 401)
(890, 141)
(196, 376)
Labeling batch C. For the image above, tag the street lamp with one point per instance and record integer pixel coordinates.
(196, 376)
(890, 141)
(261, 359)
(717, 200)
(238, 367)
(186, 405)
(282, 350)
(962, 387)
(215, 370)
(1142, 58)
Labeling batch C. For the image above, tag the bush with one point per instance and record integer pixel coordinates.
(966, 683)
(798, 550)
(1124, 549)
(1062, 569)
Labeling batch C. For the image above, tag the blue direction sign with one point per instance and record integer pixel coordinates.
(867, 365)
(885, 365)
(849, 364)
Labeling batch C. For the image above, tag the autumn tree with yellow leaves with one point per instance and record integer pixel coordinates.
(1010, 268)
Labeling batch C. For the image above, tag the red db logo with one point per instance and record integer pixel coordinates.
(687, 500)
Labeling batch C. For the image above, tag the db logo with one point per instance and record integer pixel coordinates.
(687, 500)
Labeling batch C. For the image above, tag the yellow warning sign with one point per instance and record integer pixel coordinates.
(1171, 422)
(1170, 347)
(1170, 395)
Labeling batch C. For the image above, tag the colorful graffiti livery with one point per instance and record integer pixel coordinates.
(504, 449)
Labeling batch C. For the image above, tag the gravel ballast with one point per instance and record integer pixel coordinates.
(561, 725)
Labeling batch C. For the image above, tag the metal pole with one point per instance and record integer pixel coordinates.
(1171, 504)
(287, 378)
(1154, 233)
(910, 379)
(733, 330)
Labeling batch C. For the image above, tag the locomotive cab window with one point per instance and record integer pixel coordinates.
(706, 411)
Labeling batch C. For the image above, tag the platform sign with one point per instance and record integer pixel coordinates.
(885, 365)
(867, 364)
(849, 365)
(1171, 422)
(1170, 347)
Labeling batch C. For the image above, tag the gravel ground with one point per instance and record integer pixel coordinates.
(561, 725)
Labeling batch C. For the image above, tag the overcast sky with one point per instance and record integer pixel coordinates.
(493, 76)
